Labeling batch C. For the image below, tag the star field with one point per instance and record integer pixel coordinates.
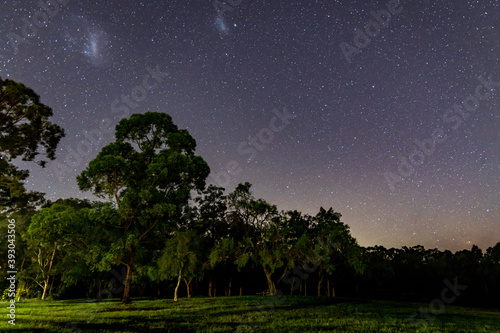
(320, 104)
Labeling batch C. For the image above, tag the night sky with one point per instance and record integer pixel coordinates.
(387, 112)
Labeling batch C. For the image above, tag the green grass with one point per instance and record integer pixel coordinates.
(245, 314)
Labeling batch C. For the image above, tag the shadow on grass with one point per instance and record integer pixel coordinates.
(277, 303)
(135, 309)
(163, 325)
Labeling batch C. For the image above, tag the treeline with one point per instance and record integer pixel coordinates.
(235, 245)
(218, 245)
(414, 273)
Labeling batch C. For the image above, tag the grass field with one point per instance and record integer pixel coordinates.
(246, 314)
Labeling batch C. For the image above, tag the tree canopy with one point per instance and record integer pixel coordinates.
(26, 133)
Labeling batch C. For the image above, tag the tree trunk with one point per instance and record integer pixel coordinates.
(128, 279)
(99, 289)
(300, 288)
(227, 291)
(19, 291)
(328, 287)
(51, 285)
(45, 287)
(320, 281)
(178, 283)
(188, 285)
(142, 289)
(305, 287)
(210, 286)
(332, 288)
(241, 291)
(46, 282)
(26, 290)
(270, 283)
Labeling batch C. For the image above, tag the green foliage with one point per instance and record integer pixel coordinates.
(25, 131)
(181, 253)
(24, 124)
(334, 246)
(54, 223)
(5, 294)
(66, 238)
(221, 251)
(242, 260)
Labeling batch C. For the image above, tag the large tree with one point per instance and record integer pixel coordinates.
(26, 133)
(149, 173)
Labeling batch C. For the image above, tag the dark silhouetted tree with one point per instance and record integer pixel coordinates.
(25, 132)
